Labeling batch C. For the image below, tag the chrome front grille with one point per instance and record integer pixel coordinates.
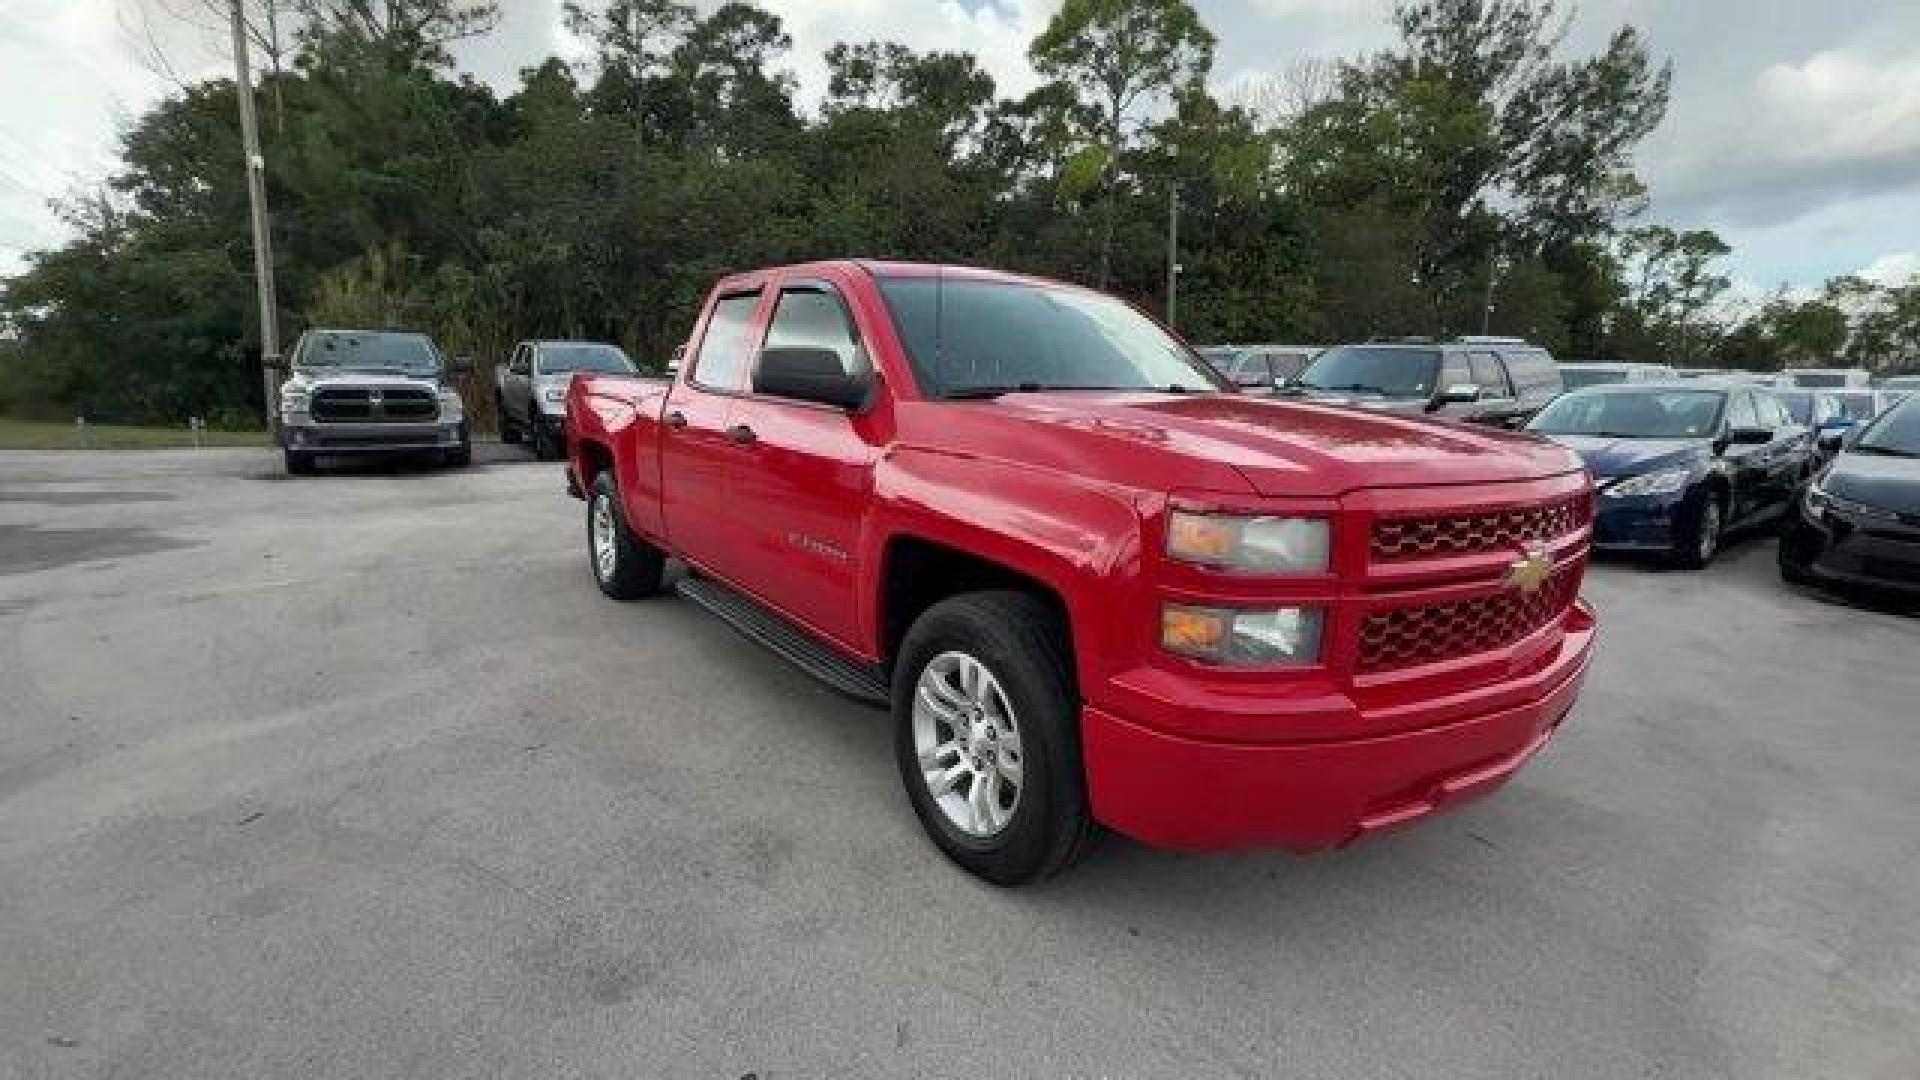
(1398, 539)
(374, 405)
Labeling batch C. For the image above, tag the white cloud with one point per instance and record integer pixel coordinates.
(995, 33)
(1895, 268)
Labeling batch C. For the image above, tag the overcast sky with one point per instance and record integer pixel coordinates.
(1794, 129)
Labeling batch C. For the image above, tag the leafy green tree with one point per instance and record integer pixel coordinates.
(404, 32)
(1120, 56)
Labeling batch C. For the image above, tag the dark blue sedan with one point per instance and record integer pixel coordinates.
(1677, 465)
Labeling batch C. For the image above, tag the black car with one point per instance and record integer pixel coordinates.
(1678, 464)
(1859, 521)
(1497, 381)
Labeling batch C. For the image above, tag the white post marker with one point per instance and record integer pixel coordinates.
(196, 425)
(80, 431)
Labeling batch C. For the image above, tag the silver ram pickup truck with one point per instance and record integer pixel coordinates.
(371, 392)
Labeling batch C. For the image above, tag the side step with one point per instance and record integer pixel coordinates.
(862, 682)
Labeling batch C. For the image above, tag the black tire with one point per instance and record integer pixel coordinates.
(299, 463)
(546, 443)
(459, 457)
(1793, 575)
(509, 434)
(1018, 639)
(1704, 525)
(636, 566)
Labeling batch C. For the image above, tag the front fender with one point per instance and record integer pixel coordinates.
(1077, 536)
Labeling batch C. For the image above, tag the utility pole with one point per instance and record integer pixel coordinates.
(262, 235)
(1493, 277)
(1173, 249)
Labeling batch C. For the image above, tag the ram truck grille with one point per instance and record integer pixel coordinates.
(1428, 633)
(1400, 539)
(374, 405)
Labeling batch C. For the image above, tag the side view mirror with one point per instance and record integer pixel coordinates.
(815, 375)
(460, 365)
(1460, 394)
(1750, 436)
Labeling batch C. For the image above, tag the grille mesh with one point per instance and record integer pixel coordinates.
(398, 404)
(1400, 539)
(1426, 633)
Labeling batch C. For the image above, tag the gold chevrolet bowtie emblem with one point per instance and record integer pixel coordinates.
(1530, 571)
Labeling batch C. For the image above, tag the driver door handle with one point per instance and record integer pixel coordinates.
(676, 419)
(741, 435)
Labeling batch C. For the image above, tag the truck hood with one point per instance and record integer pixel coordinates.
(311, 378)
(1299, 448)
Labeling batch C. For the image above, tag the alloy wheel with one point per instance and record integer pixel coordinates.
(606, 552)
(967, 740)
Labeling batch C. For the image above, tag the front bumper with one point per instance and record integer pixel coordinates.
(1175, 791)
(332, 439)
(1872, 556)
(1636, 523)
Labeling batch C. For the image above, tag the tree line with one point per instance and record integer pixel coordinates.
(1472, 177)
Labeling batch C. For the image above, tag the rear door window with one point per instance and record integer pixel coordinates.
(1489, 374)
(722, 357)
(1535, 376)
(1740, 411)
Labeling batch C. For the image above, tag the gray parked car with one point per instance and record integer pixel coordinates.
(1497, 381)
(533, 389)
(371, 392)
(1259, 368)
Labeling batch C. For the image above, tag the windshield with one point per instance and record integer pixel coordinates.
(1633, 414)
(360, 350)
(1363, 369)
(560, 357)
(1799, 405)
(969, 338)
(1896, 432)
(1575, 378)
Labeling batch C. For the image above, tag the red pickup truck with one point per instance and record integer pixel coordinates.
(1093, 584)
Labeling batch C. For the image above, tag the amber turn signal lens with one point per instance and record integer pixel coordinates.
(1194, 631)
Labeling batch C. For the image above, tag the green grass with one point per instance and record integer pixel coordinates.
(34, 435)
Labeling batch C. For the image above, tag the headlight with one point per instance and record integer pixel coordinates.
(451, 407)
(554, 394)
(1654, 483)
(1278, 544)
(1242, 637)
(292, 401)
(1820, 499)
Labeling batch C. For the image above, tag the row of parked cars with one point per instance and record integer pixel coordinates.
(1680, 458)
(1093, 586)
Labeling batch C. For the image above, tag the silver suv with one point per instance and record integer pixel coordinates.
(371, 392)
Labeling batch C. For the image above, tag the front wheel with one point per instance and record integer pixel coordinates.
(299, 463)
(987, 736)
(1698, 543)
(459, 457)
(625, 566)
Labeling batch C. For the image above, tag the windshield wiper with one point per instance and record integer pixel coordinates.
(1887, 451)
(965, 393)
(1346, 388)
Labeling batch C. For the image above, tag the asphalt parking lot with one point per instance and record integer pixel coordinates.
(358, 776)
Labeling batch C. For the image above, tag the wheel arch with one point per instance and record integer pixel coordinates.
(917, 572)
